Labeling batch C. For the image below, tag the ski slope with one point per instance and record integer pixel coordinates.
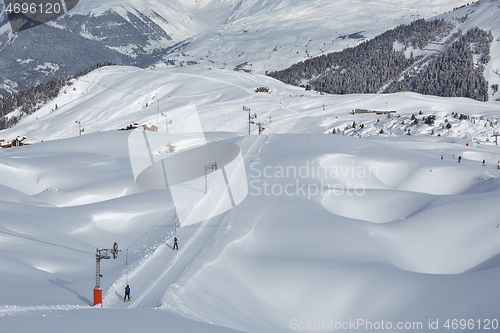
(113, 97)
(335, 227)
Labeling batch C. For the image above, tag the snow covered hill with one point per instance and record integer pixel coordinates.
(335, 228)
(111, 98)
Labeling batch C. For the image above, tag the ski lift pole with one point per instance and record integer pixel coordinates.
(176, 219)
(167, 121)
(250, 117)
(496, 135)
(212, 166)
(102, 254)
(126, 266)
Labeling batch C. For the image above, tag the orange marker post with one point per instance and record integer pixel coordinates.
(97, 296)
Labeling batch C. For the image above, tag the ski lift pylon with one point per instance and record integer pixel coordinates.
(115, 250)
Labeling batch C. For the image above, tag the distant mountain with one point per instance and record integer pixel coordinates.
(126, 32)
(250, 35)
(259, 35)
(452, 55)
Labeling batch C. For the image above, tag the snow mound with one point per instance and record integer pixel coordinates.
(377, 206)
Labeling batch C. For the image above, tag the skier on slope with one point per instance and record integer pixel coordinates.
(176, 247)
(127, 293)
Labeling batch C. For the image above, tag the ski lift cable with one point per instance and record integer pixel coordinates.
(126, 266)
(41, 236)
(83, 251)
(160, 220)
(47, 243)
(138, 224)
(175, 230)
(92, 253)
(144, 234)
(149, 229)
(176, 218)
(127, 92)
(270, 128)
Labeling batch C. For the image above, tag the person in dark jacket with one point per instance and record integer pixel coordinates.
(127, 293)
(176, 247)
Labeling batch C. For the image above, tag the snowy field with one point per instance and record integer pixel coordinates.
(362, 227)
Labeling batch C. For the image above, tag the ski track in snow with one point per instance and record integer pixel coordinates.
(160, 270)
(14, 310)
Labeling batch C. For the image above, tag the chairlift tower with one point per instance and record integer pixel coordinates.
(102, 254)
(167, 121)
(209, 167)
(157, 111)
(250, 117)
(261, 127)
(496, 135)
(79, 127)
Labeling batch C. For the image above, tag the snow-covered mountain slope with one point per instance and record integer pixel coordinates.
(174, 18)
(483, 15)
(334, 228)
(122, 32)
(451, 55)
(254, 35)
(114, 97)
